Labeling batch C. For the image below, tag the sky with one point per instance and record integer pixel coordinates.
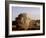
(34, 12)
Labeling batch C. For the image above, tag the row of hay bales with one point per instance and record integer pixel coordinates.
(23, 22)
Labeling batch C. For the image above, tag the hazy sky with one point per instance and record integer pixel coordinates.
(33, 11)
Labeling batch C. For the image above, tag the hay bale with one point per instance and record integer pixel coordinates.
(23, 21)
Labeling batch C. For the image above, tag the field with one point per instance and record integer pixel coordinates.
(34, 25)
